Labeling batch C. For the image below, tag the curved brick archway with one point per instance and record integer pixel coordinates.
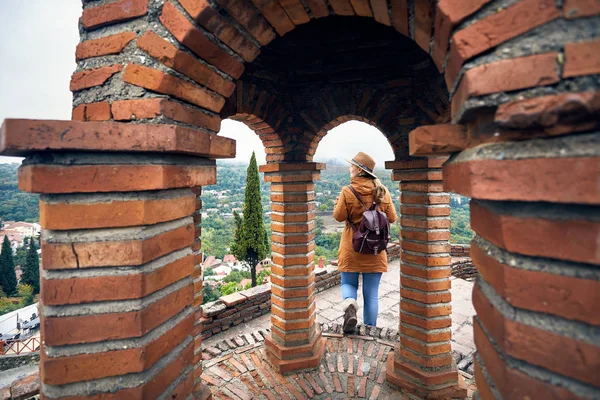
(523, 81)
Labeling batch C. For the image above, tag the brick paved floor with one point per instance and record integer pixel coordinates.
(329, 311)
(235, 367)
(353, 367)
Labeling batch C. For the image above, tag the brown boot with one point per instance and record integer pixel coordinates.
(350, 309)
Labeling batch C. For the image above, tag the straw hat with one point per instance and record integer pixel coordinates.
(364, 162)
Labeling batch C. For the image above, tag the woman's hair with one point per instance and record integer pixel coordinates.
(379, 191)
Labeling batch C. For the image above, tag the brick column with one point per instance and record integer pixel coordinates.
(535, 212)
(422, 363)
(295, 341)
(201, 390)
(118, 254)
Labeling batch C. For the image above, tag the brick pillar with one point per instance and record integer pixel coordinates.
(118, 255)
(535, 212)
(201, 390)
(295, 341)
(422, 363)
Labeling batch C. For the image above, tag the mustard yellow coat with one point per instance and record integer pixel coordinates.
(348, 259)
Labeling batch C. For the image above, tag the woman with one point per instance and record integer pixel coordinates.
(350, 263)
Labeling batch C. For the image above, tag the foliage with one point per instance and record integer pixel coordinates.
(229, 288)
(31, 270)
(14, 303)
(26, 294)
(260, 279)
(21, 255)
(460, 230)
(209, 272)
(236, 276)
(250, 247)
(14, 204)
(217, 235)
(8, 278)
(210, 294)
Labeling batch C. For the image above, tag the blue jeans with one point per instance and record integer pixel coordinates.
(370, 286)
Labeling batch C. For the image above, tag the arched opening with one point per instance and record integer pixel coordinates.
(339, 143)
(223, 274)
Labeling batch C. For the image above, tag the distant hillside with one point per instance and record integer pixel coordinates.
(14, 204)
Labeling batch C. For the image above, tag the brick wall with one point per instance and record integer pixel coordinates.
(243, 306)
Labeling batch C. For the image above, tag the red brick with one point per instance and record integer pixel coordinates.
(511, 383)
(507, 75)
(113, 213)
(183, 62)
(442, 211)
(426, 285)
(244, 12)
(74, 179)
(341, 7)
(98, 112)
(25, 136)
(436, 139)
(399, 11)
(413, 175)
(78, 113)
(426, 297)
(105, 288)
(537, 236)
(115, 253)
(450, 13)
(582, 58)
(380, 12)
(84, 367)
(318, 8)
(533, 179)
(295, 10)
(537, 346)
(423, 23)
(197, 42)
(209, 18)
(439, 311)
(564, 296)
(60, 331)
(552, 114)
(93, 77)
(495, 29)
(114, 12)
(428, 273)
(160, 82)
(362, 8)
(112, 44)
(580, 8)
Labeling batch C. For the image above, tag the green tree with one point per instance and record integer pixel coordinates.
(250, 245)
(209, 294)
(26, 294)
(8, 278)
(31, 270)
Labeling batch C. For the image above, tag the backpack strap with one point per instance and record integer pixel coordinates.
(361, 202)
(357, 196)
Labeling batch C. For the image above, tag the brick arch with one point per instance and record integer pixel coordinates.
(267, 134)
(198, 51)
(335, 123)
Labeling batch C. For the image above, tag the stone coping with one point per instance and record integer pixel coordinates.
(21, 137)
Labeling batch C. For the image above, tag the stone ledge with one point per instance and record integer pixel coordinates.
(21, 137)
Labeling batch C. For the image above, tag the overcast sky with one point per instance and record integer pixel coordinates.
(37, 58)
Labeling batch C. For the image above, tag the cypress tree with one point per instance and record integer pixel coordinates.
(8, 278)
(31, 270)
(249, 246)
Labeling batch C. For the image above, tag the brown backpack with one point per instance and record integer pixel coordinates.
(373, 233)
